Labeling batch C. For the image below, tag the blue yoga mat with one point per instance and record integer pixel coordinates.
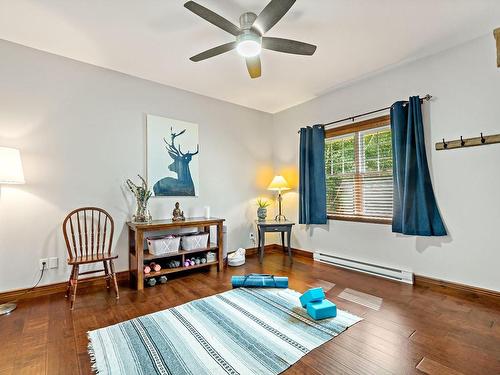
(257, 280)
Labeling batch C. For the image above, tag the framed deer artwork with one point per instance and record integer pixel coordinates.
(172, 157)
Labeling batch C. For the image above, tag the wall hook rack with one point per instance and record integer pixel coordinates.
(468, 142)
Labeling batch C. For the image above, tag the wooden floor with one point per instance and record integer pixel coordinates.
(417, 330)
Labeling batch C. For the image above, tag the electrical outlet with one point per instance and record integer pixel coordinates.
(42, 261)
(53, 262)
(252, 236)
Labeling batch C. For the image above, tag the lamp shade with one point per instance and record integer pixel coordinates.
(11, 168)
(278, 183)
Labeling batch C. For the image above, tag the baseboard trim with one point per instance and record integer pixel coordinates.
(275, 248)
(426, 281)
(44, 290)
(255, 250)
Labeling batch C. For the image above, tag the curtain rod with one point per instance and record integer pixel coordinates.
(426, 97)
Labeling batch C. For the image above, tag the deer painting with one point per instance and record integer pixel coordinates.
(182, 185)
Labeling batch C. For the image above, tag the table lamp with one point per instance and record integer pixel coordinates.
(11, 172)
(279, 184)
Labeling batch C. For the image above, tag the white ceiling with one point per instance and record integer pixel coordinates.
(153, 39)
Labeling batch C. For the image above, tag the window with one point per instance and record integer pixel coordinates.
(358, 161)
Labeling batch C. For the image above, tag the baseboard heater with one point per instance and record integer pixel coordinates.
(369, 268)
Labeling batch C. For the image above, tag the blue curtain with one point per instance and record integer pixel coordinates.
(414, 204)
(312, 179)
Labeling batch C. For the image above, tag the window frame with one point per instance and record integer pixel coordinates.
(373, 123)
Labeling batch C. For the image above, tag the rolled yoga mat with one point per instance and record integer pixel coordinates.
(257, 280)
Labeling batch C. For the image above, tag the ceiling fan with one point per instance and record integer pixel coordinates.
(249, 35)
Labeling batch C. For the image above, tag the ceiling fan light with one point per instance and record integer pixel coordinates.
(248, 48)
(248, 45)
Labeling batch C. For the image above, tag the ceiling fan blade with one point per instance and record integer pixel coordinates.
(271, 14)
(288, 46)
(214, 52)
(253, 66)
(213, 18)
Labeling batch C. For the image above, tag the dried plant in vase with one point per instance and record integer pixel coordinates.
(262, 210)
(142, 195)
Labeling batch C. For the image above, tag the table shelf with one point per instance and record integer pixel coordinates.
(149, 257)
(166, 271)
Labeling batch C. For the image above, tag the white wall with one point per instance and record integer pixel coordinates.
(465, 84)
(81, 132)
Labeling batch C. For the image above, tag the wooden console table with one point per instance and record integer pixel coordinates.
(138, 255)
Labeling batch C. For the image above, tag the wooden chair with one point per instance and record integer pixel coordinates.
(88, 232)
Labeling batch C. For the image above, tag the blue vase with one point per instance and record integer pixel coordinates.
(262, 213)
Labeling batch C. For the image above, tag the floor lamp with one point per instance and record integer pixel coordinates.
(279, 184)
(11, 172)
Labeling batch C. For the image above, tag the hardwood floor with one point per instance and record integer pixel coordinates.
(416, 330)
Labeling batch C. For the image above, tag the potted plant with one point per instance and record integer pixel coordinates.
(262, 210)
(142, 195)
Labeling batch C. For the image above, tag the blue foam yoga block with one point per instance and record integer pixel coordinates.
(322, 309)
(312, 295)
(259, 281)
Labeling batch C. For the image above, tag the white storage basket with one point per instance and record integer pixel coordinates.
(211, 256)
(163, 245)
(195, 241)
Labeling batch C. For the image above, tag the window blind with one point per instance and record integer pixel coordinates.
(359, 174)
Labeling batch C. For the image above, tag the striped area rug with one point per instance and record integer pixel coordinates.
(242, 331)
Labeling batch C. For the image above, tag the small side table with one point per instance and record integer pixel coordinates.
(274, 226)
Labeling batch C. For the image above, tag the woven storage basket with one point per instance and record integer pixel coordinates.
(195, 241)
(163, 245)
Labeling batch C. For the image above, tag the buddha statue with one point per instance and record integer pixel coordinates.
(177, 214)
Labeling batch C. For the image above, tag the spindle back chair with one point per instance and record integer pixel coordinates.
(88, 233)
